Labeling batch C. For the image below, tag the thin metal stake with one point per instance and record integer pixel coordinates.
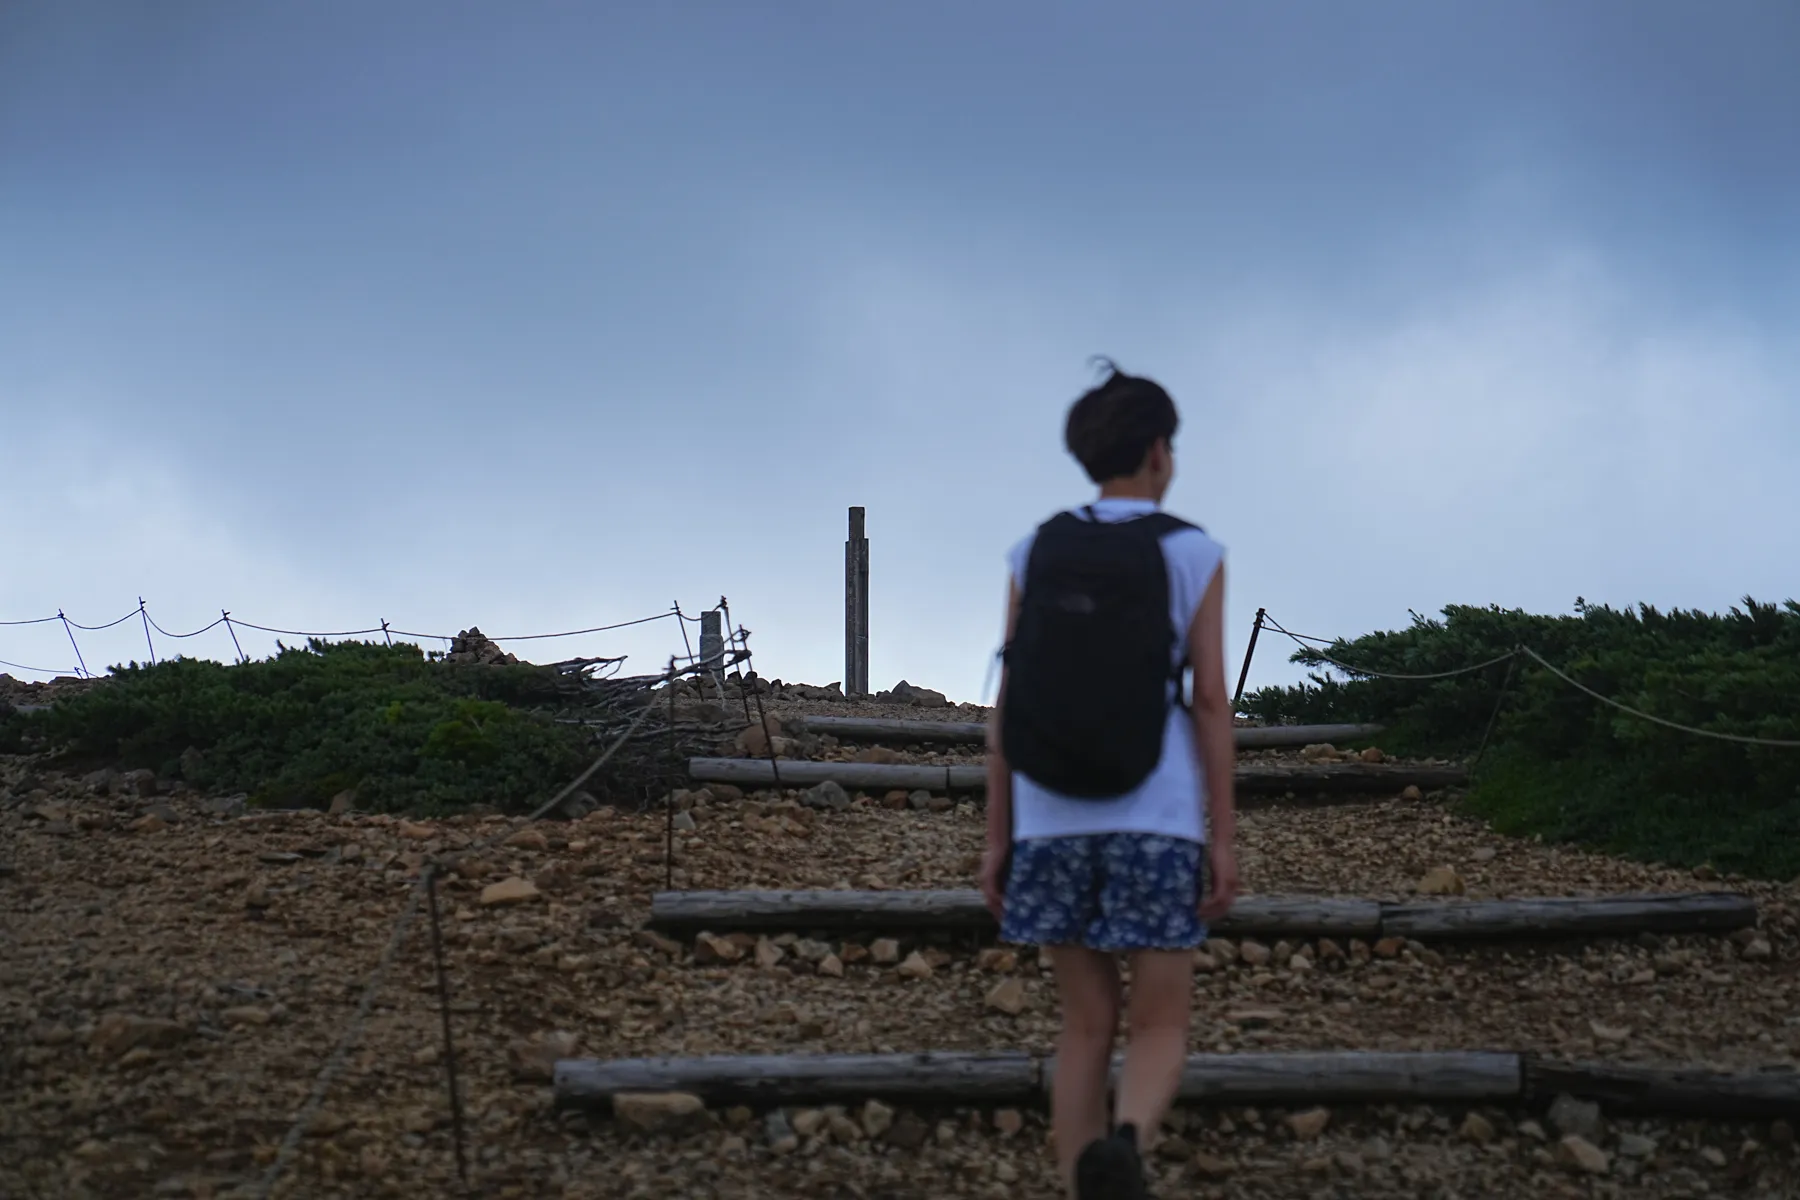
(70, 630)
(242, 657)
(443, 990)
(669, 796)
(681, 620)
(1494, 717)
(147, 641)
(1244, 674)
(762, 717)
(745, 675)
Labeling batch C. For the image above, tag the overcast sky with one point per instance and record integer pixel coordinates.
(538, 316)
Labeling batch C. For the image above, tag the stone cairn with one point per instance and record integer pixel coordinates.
(473, 646)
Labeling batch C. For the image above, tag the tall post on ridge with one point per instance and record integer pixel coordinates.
(712, 648)
(712, 640)
(856, 608)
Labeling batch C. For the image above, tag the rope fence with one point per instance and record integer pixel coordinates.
(34, 670)
(422, 892)
(707, 662)
(1306, 642)
(233, 624)
(423, 889)
(1302, 642)
(1787, 743)
(1512, 658)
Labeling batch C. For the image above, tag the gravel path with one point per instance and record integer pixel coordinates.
(170, 985)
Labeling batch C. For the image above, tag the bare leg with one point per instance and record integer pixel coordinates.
(1162, 987)
(1087, 988)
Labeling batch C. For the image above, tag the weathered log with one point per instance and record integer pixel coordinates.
(1251, 737)
(1300, 917)
(1348, 1076)
(1347, 778)
(932, 1078)
(1302, 1078)
(1336, 778)
(889, 729)
(1343, 1077)
(1569, 916)
(894, 731)
(1689, 1091)
(760, 772)
(780, 911)
(846, 911)
(962, 910)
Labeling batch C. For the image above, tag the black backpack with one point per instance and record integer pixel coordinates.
(1092, 656)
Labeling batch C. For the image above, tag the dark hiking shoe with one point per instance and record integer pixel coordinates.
(1109, 1169)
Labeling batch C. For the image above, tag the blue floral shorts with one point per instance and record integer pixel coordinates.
(1110, 891)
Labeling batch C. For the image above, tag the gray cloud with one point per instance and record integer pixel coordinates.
(538, 325)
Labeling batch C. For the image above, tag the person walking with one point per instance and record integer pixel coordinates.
(1111, 818)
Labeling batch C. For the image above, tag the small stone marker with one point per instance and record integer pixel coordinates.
(654, 1112)
(1007, 996)
(1308, 1125)
(512, 890)
(1441, 881)
(1578, 1154)
(915, 967)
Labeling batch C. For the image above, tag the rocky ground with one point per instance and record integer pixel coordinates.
(27, 692)
(174, 974)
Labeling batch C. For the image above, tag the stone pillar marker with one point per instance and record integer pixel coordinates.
(856, 608)
(712, 641)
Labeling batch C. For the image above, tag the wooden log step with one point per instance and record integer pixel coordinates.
(1578, 916)
(1004, 1077)
(890, 729)
(943, 1079)
(1336, 778)
(1258, 737)
(760, 772)
(846, 911)
(897, 731)
(1342, 1077)
(838, 911)
(962, 910)
(1685, 1091)
(1347, 778)
(1351, 1077)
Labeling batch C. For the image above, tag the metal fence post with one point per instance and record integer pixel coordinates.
(856, 608)
(146, 616)
(1248, 654)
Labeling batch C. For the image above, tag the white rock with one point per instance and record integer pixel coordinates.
(655, 1112)
(1578, 1154)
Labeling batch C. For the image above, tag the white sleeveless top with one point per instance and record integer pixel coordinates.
(1172, 800)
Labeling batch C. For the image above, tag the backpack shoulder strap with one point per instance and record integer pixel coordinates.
(1162, 523)
(1159, 525)
(1047, 533)
(1061, 520)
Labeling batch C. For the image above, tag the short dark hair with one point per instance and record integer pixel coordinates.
(1114, 424)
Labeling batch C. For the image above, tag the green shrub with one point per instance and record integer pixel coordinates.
(1566, 766)
(295, 729)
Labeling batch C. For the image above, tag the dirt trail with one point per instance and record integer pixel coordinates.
(170, 987)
